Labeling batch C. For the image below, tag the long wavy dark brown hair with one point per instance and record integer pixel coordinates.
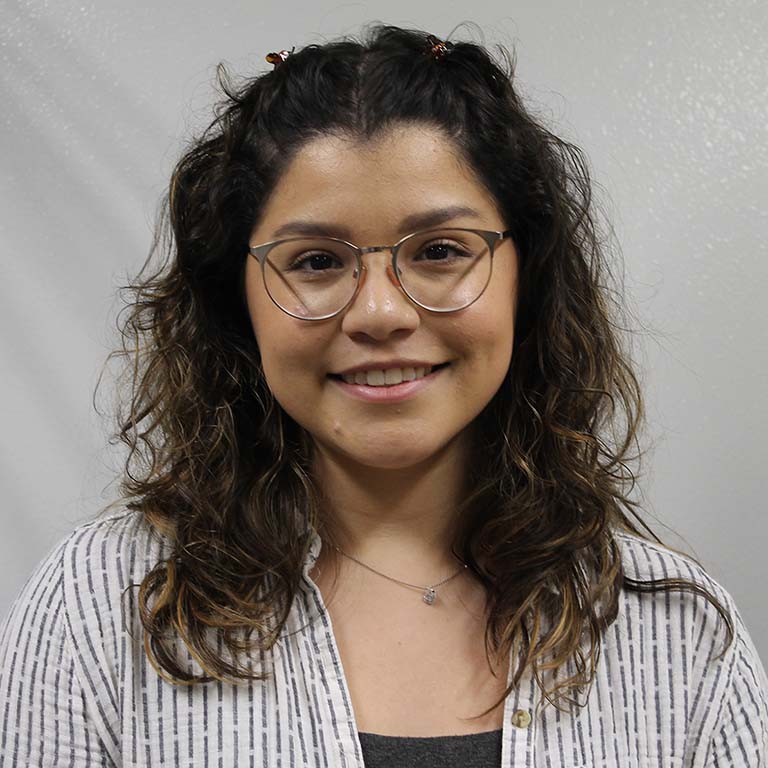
(218, 467)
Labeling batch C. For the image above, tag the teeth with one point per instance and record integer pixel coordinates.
(386, 378)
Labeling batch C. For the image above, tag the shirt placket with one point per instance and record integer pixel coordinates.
(519, 726)
(339, 715)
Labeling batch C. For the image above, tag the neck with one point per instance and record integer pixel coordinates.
(400, 521)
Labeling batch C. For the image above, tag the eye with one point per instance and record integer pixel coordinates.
(442, 250)
(319, 261)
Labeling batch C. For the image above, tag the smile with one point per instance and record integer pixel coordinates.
(388, 377)
(389, 393)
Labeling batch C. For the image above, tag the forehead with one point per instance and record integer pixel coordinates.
(368, 184)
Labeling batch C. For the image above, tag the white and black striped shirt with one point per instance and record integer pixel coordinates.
(76, 688)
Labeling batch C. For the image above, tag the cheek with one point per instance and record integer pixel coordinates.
(499, 320)
(291, 368)
(489, 336)
(280, 342)
(282, 365)
(490, 343)
(288, 385)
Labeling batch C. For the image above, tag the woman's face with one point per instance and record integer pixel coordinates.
(364, 192)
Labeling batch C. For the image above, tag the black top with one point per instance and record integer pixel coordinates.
(475, 750)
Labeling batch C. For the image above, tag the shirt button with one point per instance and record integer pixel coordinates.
(521, 718)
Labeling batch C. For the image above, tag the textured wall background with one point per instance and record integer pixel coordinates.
(667, 99)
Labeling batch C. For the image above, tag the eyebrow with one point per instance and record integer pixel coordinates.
(411, 223)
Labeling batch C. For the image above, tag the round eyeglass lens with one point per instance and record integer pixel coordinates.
(310, 277)
(443, 270)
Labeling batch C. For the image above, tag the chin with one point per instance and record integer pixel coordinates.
(407, 451)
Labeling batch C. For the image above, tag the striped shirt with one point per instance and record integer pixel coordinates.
(76, 688)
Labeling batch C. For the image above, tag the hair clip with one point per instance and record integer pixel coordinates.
(437, 48)
(278, 58)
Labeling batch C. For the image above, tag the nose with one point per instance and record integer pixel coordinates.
(385, 253)
(376, 309)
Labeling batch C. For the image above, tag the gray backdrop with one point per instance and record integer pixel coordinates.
(667, 99)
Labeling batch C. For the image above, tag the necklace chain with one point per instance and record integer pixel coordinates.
(430, 593)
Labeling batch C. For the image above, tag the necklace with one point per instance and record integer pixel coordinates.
(429, 593)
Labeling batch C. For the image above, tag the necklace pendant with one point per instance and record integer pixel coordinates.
(429, 596)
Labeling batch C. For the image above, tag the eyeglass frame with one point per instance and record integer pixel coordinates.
(492, 239)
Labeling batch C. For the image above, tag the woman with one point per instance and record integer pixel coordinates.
(370, 515)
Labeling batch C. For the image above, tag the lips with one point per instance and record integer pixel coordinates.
(390, 394)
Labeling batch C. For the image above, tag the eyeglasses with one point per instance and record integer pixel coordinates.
(441, 270)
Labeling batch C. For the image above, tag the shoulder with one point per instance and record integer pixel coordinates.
(110, 551)
(79, 585)
(64, 642)
(102, 564)
(96, 558)
(680, 641)
(687, 603)
(644, 559)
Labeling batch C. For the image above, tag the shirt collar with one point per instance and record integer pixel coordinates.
(315, 546)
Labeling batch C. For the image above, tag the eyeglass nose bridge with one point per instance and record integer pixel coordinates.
(391, 272)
